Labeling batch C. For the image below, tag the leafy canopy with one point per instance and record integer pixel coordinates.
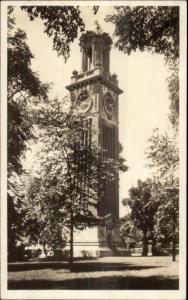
(62, 23)
(163, 156)
(143, 206)
(130, 234)
(154, 28)
(71, 175)
(24, 89)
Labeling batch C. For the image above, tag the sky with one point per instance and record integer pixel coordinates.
(142, 76)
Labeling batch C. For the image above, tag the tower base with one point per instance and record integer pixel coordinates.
(97, 242)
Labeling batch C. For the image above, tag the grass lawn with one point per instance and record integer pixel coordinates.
(101, 273)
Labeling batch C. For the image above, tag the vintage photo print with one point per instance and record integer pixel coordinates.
(93, 135)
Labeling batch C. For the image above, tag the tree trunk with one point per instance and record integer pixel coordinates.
(154, 251)
(145, 246)
(44, 248)
(174, 249)
(71, 242)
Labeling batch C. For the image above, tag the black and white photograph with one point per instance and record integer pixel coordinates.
(93, 150)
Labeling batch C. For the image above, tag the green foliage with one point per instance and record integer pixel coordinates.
(164, 160)
(173, 87)
(11, 20)
(71, 175)
(24, 89)
(154, 28)
(15, 213)
(143, 206)
(43, 221)
(167, 216)
(122, 161)
(62, 23)
(21, 78)
(163, 156)
(130, 234)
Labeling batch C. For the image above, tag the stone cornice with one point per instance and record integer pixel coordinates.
(87, 37)
(94, 75)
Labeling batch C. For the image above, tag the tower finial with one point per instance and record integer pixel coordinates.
(98, 27)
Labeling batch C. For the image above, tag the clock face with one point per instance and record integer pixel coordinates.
(109, 104)
(84, 102)
(83, 96)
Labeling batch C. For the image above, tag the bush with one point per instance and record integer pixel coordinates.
(17, 254)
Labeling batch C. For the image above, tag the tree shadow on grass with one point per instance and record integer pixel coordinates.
(97, 267)
(101, 283)
(18, 267)
(77, 266)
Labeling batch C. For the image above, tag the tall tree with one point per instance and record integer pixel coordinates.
(43, 222)
(71, 173)
(156, 29)
(143, 208)
(163, 156)
(24, 88)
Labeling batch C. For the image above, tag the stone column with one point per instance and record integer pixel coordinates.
(108, 60)
(101, 54)
(99, 51)
(82, 59)
(93, 53)
(85, 59)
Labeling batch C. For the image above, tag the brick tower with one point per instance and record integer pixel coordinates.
(95, 91)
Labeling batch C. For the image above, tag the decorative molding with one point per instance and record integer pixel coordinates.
(93, 77)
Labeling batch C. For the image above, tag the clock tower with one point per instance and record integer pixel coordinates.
(96, 94)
